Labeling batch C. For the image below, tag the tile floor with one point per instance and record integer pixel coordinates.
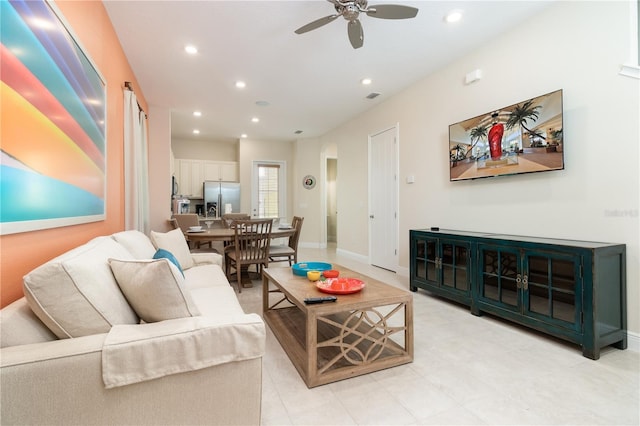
(467, 370)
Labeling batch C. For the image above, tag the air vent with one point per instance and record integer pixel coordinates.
(373, 95)
(297, 132)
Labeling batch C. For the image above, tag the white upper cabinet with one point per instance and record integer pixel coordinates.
(225, 171)
(192, 173)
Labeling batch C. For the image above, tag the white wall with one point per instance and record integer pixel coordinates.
(205, 150)
(159, 168)
(574, 46)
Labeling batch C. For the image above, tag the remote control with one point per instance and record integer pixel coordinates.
(312, 300)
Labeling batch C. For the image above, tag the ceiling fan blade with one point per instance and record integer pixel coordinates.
(356, 36)
(316, 24)
(392, 11)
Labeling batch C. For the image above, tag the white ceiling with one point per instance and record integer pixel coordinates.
(311, 81)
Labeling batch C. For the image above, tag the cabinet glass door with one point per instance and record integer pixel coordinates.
(499, 277)
(426, 255)
(551, 287)
(454, 263)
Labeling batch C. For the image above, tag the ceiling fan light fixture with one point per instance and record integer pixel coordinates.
(350, 10)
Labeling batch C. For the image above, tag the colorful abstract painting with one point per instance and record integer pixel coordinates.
(53, 113)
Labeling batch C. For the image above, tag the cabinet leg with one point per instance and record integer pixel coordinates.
(622, 344)
(591, 353)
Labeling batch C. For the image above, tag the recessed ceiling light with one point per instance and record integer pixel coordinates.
(196, 131)
(241, 84)
(255, 119)
(197, 113)
(243, 136)
(191, 49)
(453, 16)
(365, 81)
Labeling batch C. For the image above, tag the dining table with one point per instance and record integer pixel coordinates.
(228, 235)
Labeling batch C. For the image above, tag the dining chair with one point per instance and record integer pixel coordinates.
(250, 247)
(228, 218)
(288, 252)
(184, 222)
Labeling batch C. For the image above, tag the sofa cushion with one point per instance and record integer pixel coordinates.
(174, 242)
(154, 288)
(219, 302)
(76, 295)
(164, 254)
(20, 326)
(206, 275)
(138, 244)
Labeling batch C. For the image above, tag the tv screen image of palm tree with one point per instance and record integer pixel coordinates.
(522, 138)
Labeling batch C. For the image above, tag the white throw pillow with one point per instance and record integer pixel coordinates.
(175, 243)
(138, 244)
(154, 288)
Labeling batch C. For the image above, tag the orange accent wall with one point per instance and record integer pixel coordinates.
(20, 253)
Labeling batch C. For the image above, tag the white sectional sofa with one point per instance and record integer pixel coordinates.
(107, 335)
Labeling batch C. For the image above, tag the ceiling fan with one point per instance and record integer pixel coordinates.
(350, 10)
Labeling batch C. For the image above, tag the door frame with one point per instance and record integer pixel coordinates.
(396, 167)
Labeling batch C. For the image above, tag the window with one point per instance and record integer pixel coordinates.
(268, 177)
(269, 189)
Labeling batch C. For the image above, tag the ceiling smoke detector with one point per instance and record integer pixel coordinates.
(373, 95)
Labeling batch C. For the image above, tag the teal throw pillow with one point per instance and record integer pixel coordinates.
(165, 254)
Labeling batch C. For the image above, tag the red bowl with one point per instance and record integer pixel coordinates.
(331, 273)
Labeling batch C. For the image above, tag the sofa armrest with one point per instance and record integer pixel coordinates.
(206, 258)
(61, 382)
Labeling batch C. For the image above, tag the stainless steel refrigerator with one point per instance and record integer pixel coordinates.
(220, 197)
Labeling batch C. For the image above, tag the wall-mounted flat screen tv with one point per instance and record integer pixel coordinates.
(522, 138)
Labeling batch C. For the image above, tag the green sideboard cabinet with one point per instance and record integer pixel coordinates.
(573, 290)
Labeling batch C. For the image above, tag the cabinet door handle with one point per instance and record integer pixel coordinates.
(525, 282)
(518, 281)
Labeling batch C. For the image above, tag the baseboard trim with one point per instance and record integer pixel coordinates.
(633, 341)
(352, 255)
(312, 245)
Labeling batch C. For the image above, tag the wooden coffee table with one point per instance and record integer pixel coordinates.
(359, 333)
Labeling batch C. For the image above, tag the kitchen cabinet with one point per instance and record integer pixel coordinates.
(223, 171)
(573, 290)
(192, 174)
(191, 178)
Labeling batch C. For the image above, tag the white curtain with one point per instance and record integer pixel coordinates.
(136, 173)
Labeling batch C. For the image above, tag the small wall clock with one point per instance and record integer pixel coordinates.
(309, 182)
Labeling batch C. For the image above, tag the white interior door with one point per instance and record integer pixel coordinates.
(383, 200)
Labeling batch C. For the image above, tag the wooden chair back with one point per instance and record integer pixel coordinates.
(186, 220)
(229, 218)
(251, 246)
(296, 223)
